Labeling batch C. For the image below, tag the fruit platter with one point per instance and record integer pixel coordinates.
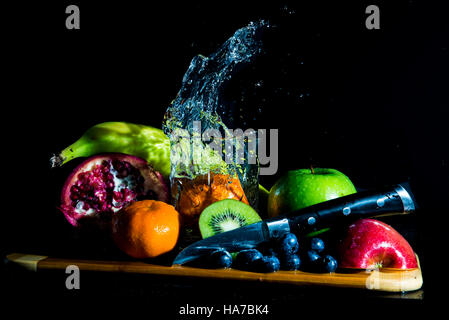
(166, 194)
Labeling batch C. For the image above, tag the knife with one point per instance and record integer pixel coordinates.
(397, 199)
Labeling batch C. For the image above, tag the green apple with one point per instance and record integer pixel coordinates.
(301, 188)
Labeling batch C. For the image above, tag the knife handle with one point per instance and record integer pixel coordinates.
(397, 199)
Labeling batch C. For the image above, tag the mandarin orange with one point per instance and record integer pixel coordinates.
(146, 229)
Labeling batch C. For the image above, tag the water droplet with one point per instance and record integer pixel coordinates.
(288, 11)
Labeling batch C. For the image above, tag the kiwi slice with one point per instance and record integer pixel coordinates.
(226, 215)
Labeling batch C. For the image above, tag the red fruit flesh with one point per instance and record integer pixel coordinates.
(104, 184)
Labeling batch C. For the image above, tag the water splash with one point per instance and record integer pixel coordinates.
(199, 100)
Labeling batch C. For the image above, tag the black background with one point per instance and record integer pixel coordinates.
(371, 103)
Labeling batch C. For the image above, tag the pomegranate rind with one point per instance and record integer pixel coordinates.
(154, 181)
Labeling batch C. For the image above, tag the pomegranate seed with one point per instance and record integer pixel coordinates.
(74, 196)
(124, 174)
(117, 196)
(118, 165)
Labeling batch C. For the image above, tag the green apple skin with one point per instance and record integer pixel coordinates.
(301, 188)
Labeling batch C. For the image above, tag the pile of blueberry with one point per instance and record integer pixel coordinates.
(283, 254)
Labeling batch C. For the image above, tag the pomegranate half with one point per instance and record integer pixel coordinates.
(104, 184)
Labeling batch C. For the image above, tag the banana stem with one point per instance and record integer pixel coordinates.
(77, 149)
(56, 160)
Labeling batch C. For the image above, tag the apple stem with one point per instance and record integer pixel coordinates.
(311, 169)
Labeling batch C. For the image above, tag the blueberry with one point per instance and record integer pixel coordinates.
(317, 244)
(268, 249)
(312, 261)
(291, 262)
(313, 256)
(220, 259)
(288, 244)
(246, 258)
(267, 264)
(329, 264)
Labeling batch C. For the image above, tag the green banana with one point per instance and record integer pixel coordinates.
(138, 140)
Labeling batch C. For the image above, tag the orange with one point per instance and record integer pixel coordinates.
(193, 196)
(146, 229)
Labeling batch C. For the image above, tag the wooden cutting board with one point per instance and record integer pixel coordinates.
(385, 279)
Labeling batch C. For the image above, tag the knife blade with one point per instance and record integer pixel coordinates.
(397, 199)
